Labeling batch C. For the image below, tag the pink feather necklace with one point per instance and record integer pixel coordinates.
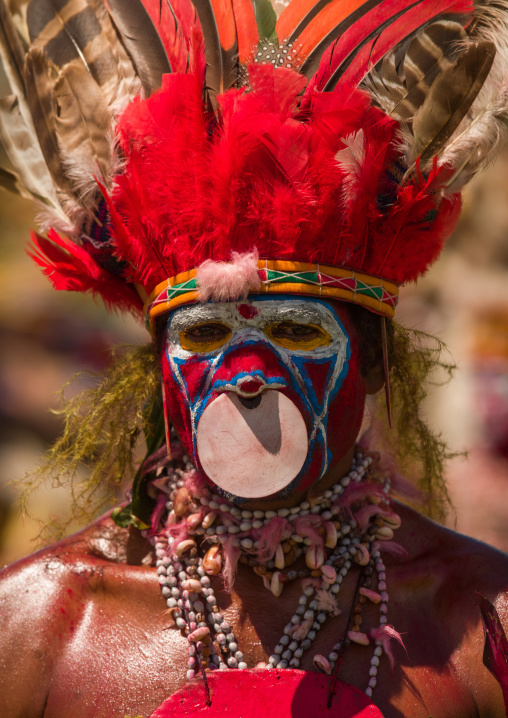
(351, 524)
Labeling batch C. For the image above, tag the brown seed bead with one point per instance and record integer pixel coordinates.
(259, 570)
(315, 573)
(286, 547)
(379, 521)
(290, 557)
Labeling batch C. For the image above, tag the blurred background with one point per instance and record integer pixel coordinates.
(47, 336)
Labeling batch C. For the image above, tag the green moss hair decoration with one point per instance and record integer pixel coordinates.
(102, 426)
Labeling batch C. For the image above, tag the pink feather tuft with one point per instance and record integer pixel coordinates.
(270, 537)
(228, 281)
(326, 601)
(157, 513)
(178, 532)
(358, 492)
(231, 555)
(157, 460)
(301, 630)
(365, 514)
(195, 482)
(383, 635)
(306, 582)
(306, 526)
(391, 547)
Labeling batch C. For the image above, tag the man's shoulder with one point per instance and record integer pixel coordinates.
(76, 564)
(48, 600)
(453, 569)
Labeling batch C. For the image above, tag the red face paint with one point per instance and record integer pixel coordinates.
(247, 311)
(312, 398)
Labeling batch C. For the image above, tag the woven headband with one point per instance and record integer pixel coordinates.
(287, 277)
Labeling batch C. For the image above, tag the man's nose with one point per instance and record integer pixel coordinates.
(248, 370)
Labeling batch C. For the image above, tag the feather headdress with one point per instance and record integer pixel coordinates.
(323, 150)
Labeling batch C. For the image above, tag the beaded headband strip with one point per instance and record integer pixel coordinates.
(287, 277)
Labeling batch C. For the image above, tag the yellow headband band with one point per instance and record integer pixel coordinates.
(287, 277)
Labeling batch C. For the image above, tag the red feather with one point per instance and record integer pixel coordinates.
(225, 19)
(352, 46)
(268, 176)
(333, 15)
(71, 268)
(179, 28)
(246, 30)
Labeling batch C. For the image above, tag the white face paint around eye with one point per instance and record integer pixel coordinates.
(251, 324)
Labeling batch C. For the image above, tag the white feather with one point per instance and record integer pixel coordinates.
(351, 161)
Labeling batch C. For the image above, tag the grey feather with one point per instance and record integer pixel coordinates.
(24, 152)
(141, 41)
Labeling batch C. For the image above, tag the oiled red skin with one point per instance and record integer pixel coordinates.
(83, 628)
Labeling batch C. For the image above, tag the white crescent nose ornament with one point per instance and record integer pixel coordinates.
(252, 443)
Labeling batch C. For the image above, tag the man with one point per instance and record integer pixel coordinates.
(267, 230)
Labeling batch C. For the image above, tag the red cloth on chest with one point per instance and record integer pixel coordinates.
(267, 693)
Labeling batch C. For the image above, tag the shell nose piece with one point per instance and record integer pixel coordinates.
(249, 386)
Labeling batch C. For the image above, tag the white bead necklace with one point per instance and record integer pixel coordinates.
(304, 530)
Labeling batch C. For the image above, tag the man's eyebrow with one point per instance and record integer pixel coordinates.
(192, 315)
(309, 313)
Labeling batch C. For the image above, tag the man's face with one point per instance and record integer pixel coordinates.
(265, 394)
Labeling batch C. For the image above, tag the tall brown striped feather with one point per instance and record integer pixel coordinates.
(142, 42)
(450, 97)
(83, 121)
(40, 75)
(25, 154)
(11, 182)
(126, 76)
(403, 81)
(81, 31)
(13, 53)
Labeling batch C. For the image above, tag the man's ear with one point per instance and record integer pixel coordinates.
(375, 378)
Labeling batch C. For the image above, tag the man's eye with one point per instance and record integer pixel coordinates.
(302, 337)
(294, 331)
(207, 331)
(205, 337)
